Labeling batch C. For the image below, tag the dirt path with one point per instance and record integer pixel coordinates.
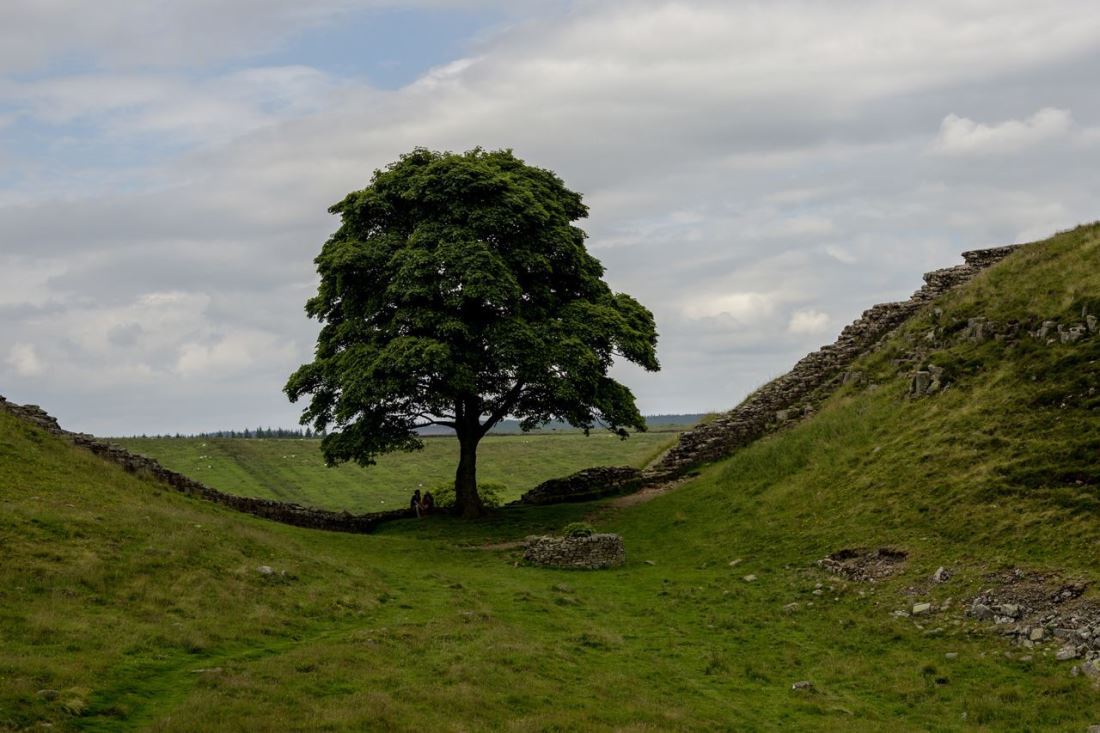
(649, 493)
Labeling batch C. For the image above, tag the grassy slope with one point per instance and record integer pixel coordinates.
(112, 595)
(293, 470)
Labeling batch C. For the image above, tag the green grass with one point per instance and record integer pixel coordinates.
(116, 593)
(293, 470)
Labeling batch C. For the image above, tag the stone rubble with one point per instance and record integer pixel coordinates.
(1034, 609)
(865, 566)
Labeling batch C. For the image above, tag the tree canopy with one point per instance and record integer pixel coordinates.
(457, 291)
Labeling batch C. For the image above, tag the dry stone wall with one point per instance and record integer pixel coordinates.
(594, 552)
(278, 511)
(778, 403)
(586, 485)
(795, 394)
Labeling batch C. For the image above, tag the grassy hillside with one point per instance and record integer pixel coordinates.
(293, 470)
(123, 607)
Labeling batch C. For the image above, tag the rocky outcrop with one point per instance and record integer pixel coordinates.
(586, 485)
(594, 552)
(795, 394)
(926, 378)
(278, 511)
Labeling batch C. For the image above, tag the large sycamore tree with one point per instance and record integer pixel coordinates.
(457, 292)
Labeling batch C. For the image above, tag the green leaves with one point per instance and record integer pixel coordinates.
(458, 290)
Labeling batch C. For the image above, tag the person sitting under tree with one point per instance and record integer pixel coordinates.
(415, 502)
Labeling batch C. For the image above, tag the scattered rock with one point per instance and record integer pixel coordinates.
(941, 575)
(919, 609)
(803, 685)
(865, 565)
(265, 570)
(981, 611)
(920, 383)
(951, 655)
(1091, 668)
(749, 578)
(1033, 608)
(649, 562)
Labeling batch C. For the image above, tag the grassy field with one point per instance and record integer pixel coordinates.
(124, 606)
(293, 470)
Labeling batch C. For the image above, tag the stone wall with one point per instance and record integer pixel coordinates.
(795, 394)
(586, 485)
(274, 510)
(595, 552)
(778, 403)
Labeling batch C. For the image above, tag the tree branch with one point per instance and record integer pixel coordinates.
(506, 404)
(444, 423)
(433, 416)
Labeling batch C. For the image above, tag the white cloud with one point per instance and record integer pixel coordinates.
(743, 308)
(231, 356)
(204, 111)
(804, 225)
(741, 161)
(23, 359)
(840, 254)
(808, 322)
(963, 136)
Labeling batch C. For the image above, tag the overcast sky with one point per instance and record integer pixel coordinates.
(758, 173)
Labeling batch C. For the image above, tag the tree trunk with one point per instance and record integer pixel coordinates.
(467, 501)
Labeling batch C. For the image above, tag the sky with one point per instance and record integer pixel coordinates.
(758, 173)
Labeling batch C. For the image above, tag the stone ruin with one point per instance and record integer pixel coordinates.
(594, 552)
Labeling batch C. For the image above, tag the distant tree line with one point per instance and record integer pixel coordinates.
(275, 433)
(505, 426)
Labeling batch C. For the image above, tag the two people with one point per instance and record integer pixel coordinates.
(422, 504)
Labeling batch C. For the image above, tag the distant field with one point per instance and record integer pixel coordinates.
(292, 470)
